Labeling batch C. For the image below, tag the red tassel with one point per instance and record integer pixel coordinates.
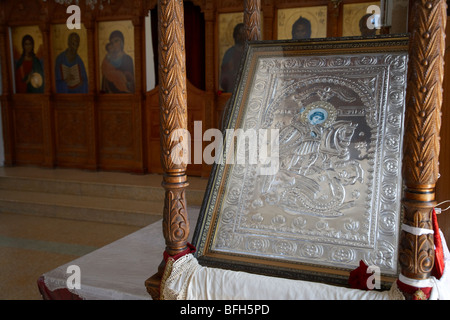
(439, 263)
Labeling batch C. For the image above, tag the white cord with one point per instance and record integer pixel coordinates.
(439, 210)
(426, 283)
(416, 231)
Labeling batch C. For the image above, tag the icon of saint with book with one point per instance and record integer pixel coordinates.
(70, 72)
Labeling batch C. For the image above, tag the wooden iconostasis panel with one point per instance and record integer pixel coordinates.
(51, 127)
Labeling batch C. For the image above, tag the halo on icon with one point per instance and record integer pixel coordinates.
(319, 112)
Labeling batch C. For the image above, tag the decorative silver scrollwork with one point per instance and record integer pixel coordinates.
(334, 199)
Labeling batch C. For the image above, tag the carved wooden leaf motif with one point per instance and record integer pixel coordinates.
(425, 255)
(175, 222)
(424, 98)
(422, 127)
(173, 122)
(417, 257)
(172, 76)
(252, 18)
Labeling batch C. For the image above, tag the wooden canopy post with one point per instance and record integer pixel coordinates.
(421, 142)
(252, 19)
(173, 129)
(173, 122)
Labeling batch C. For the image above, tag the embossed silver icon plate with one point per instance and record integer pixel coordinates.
(335, 198)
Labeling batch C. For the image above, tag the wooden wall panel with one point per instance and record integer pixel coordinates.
(197, 100)
(75, 144)
(120, 133)
(152, 131)
(139, 149)
(28, 129)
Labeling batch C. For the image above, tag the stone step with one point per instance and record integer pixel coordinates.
(95, 184)
(120, 211)
(94, 196)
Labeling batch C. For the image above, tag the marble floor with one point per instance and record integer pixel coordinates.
(32, 245)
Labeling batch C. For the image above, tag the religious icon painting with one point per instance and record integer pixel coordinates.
(359, 20)
(302, 23)
(116, 56)
(70, 59)
(231, 48)
(326, 116)
(28, 59)
(232, 38)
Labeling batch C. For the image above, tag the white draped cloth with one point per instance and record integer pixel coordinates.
(186, 279)
(118, 271)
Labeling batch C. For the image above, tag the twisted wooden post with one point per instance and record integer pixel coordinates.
(422, 127)
(252, 19)
(173, 122)
(173, 130)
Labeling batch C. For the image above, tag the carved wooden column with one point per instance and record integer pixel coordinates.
(6, 112)
(252, 19)
(422, 127)
(209, 15)
(173, 116)
(334, 26)
(268, 8)
(210, 76)
(88, 19)
(173, 119)
(47, 112)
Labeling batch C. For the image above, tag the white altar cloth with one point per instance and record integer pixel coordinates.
(190, 281)
(118, 270)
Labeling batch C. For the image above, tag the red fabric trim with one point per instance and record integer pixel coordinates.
(412, 293)
(190, 249)
(58, 294)
(359, 276)
(439, 263)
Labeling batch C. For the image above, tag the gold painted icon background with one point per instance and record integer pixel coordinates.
(316, 15)
(104, 31)
(60, 35)
(17, 34)
(353, 12)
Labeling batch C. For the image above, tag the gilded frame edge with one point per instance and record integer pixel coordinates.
(206, 223)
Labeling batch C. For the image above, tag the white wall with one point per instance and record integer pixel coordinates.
(150, 74)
